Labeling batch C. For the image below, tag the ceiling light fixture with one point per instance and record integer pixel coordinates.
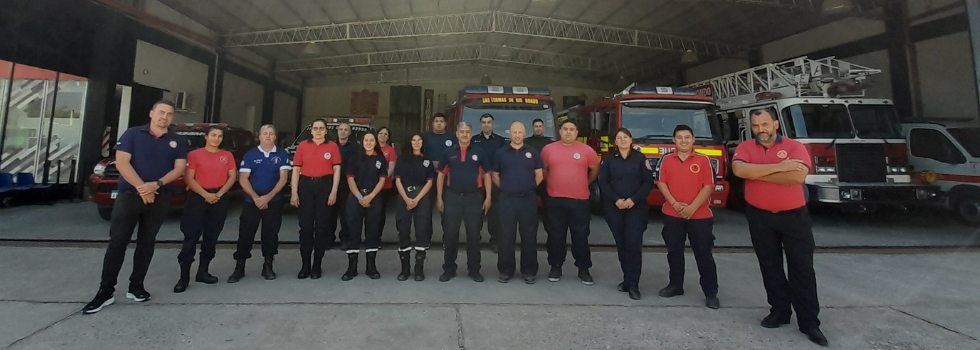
(311, 49)
(504, 52)
(832, 7)
(689, 57)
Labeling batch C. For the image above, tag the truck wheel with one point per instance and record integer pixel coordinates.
(595, 201)
(105, 213)
(967, 208)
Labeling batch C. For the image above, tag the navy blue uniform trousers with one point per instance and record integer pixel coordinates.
(462, 209)
(366, 220)
(201, 219)
(627, 226)
(518, 212)
(271, 221)
(699, 231)
(568, 215)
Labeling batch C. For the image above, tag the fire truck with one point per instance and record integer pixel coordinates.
(507, 104)
(857, 145)
(651, 114)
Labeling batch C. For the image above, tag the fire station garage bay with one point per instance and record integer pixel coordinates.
(882, 94)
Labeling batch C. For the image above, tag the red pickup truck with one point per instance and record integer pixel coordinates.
(105, 177)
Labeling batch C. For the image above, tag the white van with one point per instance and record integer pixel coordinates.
(950, 158)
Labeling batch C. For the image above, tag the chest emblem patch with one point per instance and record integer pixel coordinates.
(173, 144)
(528, 155)
(475, 158)
(695, 168)
(449, 143)
(425, 163)
(377, 164)
(577, 156)
(782, 154)
(276, 160)
(327, 156)
(223, 159)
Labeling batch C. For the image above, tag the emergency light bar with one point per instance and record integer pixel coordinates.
(506, 90)
(661, 90)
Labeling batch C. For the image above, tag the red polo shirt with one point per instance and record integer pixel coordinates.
(685, 179)
(767, 195)
(389, 153)
(210, 169)
(316, 160)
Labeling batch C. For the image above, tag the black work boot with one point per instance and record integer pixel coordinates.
(351, 267)
(304, 271)
(185, 278)
(239, 272)
(202, 273)
(317, 271)
(267, 272)
(372, 268)
(420, 265)
(406, 260)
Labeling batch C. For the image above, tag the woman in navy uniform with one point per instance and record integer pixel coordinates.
(626, 180)
(366, 175)
(413, 181)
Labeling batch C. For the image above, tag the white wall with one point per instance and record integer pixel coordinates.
(241, 102)
(949, 88)
(164, 69)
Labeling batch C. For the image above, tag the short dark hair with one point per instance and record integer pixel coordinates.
(215, 127)
(538, 120)
(567, 121)
(438, 115)
(625, 131)
(163, 102)
(683, 127)
(759, 111)
(486, 115)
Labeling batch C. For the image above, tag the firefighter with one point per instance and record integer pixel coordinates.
(517, 171)
(413, 180)
(569, 167)
(149, 158)
(686, 181)
(348, 148)
(625, 181)
(463, 195)
(488, 142)
(264, 171)
(388, 192)
(316, 175)
(438, 141)
(774, 168)
(538, 140)
(366, 175)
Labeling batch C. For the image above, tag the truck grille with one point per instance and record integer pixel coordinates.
(861, 163)
(111, 172)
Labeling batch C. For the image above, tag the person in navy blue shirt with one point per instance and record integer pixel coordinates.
(625, 181)
(438, 141)
(348, 148)
(366, 173)
(149, 158)
(488, 142)
(463, 195)
(264, 171)
(517, 170)
(414, 177)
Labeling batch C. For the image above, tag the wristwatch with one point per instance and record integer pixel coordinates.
(159, 183)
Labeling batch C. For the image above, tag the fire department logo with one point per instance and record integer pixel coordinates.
(577, 156)
(173, 144)
(276, 160)
(449, 143)
(377, 164)
(223, 159)
(649, 164)
(782, 154)
(528, 155)
(695, 168)
(327, 156)
(475, 158)
(426, 163)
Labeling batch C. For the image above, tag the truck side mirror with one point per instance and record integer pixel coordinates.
(596, 120)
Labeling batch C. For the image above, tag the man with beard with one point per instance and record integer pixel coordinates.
(774, 168)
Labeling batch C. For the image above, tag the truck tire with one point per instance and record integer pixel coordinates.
(105, 213)
(966, 208)
(595, 200)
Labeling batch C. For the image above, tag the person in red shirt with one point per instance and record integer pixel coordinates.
(314, 192)
(686, 181)
(210, 174)
(774, 168)
(388, 192)
(569, 167)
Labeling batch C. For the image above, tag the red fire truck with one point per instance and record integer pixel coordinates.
(507, 104)
(859, 152)
(651, 114)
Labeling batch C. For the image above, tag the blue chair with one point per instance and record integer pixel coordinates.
(7, 189)
(31, 192)
(6, 180)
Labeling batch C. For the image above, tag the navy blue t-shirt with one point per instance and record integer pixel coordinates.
(367, 170)
(347, 152)
(153, 157)
(436, 145)
(263, 168)
(415, 171)
(516, 168)
(489, 145)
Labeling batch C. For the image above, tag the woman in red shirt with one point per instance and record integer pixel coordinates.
(315, 165)
(389, 191)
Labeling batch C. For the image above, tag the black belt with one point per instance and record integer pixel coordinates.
(412, 188)
(212, 190)
(365, 191)
(316, 178)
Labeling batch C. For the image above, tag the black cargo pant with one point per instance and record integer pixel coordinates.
(271, 220)
(699, 231)
(129, 211)
(421, 216)
(316, 218)
(462, 208)
(201, 220)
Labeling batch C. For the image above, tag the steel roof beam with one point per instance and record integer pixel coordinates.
(482, 22)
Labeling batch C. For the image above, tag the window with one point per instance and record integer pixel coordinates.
(817, 121)
(611, 126)
(967, 138)
(875, 121)
(934, 145)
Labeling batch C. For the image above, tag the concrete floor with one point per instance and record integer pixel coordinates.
(918, 228)
(870, 301)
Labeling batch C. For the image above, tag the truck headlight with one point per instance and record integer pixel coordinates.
(897, 170)
(825, 170)
(99, 170)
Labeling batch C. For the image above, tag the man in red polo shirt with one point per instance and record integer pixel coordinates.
(774, 168)
(686, 181)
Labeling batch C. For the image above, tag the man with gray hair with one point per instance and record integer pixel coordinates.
(262, 175)
(463, 196)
